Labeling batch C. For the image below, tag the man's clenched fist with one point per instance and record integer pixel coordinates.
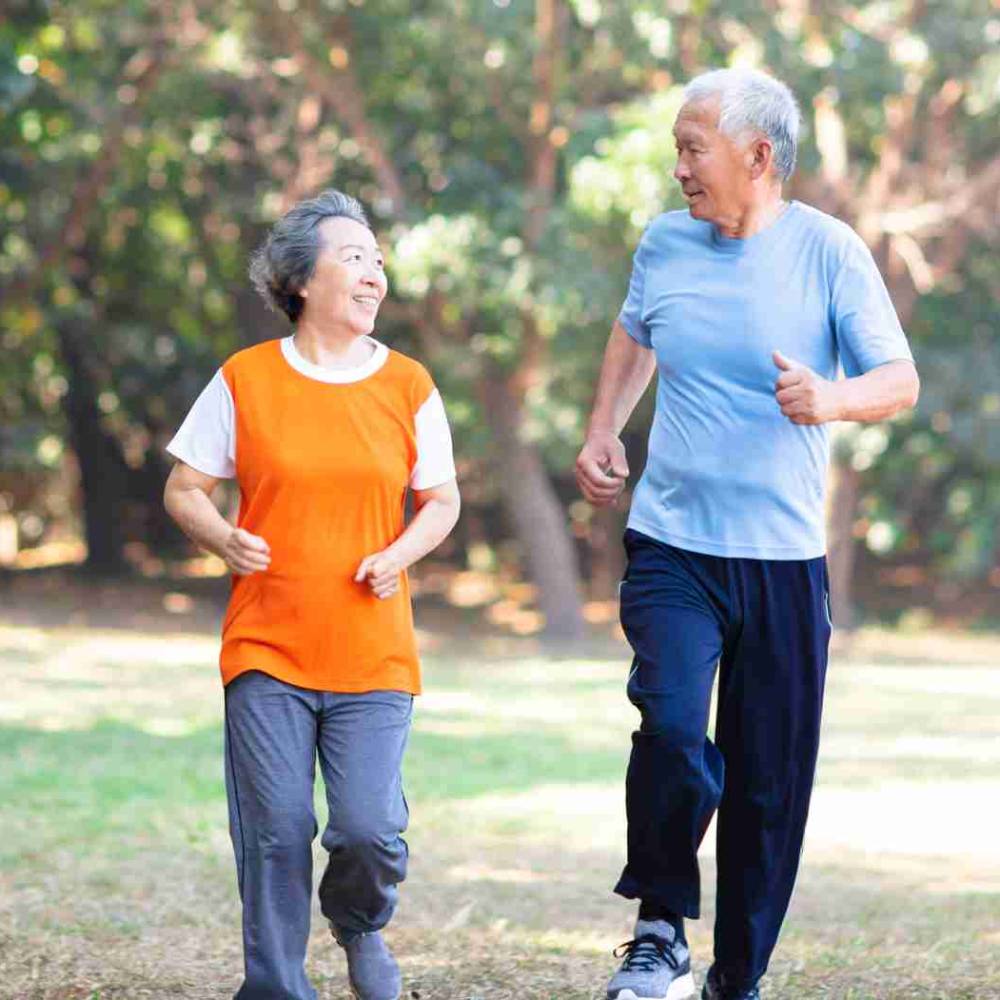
(601, 469)
(804, 396)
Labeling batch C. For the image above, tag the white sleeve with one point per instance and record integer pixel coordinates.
(435, 464)
(207, 439)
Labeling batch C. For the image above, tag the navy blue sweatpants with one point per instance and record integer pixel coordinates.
(766, 624)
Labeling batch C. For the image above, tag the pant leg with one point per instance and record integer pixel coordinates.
(361, 742)
(673, 617)
(768, 727)
(270, 770)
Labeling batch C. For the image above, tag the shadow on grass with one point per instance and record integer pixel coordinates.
(115, 780)
(446, 766)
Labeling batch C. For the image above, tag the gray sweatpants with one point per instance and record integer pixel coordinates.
(273, 734)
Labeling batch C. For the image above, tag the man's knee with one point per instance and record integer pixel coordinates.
(665, 720)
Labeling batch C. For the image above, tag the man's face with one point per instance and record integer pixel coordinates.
(712, 169)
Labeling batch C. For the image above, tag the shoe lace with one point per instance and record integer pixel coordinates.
(645, 953)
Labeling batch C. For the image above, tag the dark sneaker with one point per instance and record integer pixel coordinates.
(716, 988)
(656, 965)
(371, 968)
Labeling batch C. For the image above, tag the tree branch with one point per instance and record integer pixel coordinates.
(141, 73)
(338, 86)
(541, 150)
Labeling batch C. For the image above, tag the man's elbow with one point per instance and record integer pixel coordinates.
(911, 388)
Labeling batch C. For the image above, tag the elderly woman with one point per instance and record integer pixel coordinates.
(325, 431)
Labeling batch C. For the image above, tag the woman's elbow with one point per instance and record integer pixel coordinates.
(169, 498)
(452, 501)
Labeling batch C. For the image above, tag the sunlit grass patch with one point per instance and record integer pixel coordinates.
(116, 875)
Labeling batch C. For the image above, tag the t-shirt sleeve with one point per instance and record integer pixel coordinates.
(631, 313)
(207, 439)
(435, 462)
(864, 319)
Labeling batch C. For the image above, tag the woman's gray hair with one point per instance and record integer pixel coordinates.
(282, 266)
(753, 101)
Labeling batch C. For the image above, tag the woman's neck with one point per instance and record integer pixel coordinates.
(332, 347)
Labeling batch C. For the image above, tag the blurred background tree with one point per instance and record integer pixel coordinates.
(511, 153)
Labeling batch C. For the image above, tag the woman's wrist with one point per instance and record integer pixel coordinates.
(399, 555)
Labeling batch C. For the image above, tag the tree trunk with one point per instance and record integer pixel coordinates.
(103, 472)
(535, 513)
(607, 557)
(843, 495)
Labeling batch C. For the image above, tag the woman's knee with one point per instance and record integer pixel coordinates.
(357, 833)
(285, 830)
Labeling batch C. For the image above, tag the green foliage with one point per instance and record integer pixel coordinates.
(194, 129)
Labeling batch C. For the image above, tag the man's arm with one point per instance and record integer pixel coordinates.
(625, 373)
(808, 398)
(879, 394)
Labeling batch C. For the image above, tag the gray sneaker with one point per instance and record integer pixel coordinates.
(371, 968)
(656, 965)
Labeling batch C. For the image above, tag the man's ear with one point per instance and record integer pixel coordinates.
(761, 156)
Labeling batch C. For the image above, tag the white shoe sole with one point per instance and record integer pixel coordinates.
(679, 989)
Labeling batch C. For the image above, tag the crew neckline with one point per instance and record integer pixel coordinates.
(335, 376)
(744, 244)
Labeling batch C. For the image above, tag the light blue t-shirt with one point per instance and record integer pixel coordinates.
(728, 474)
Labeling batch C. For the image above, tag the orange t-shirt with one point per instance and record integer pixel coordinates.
(323, 469)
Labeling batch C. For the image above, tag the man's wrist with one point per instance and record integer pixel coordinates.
(597, 430)
(840, 393)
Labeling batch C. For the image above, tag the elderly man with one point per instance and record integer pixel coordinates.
(745, 305)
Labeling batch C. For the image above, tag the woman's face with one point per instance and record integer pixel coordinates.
(349, 283)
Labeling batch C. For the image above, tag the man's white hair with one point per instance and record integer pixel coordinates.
(753, 101)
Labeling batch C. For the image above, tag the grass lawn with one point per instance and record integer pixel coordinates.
(117, 881)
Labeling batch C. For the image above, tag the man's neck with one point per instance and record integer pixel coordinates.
(756, 217)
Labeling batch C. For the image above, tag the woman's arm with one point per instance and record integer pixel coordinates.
(187, 498)
(437, 511)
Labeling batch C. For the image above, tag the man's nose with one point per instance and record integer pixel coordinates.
(681, 170)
